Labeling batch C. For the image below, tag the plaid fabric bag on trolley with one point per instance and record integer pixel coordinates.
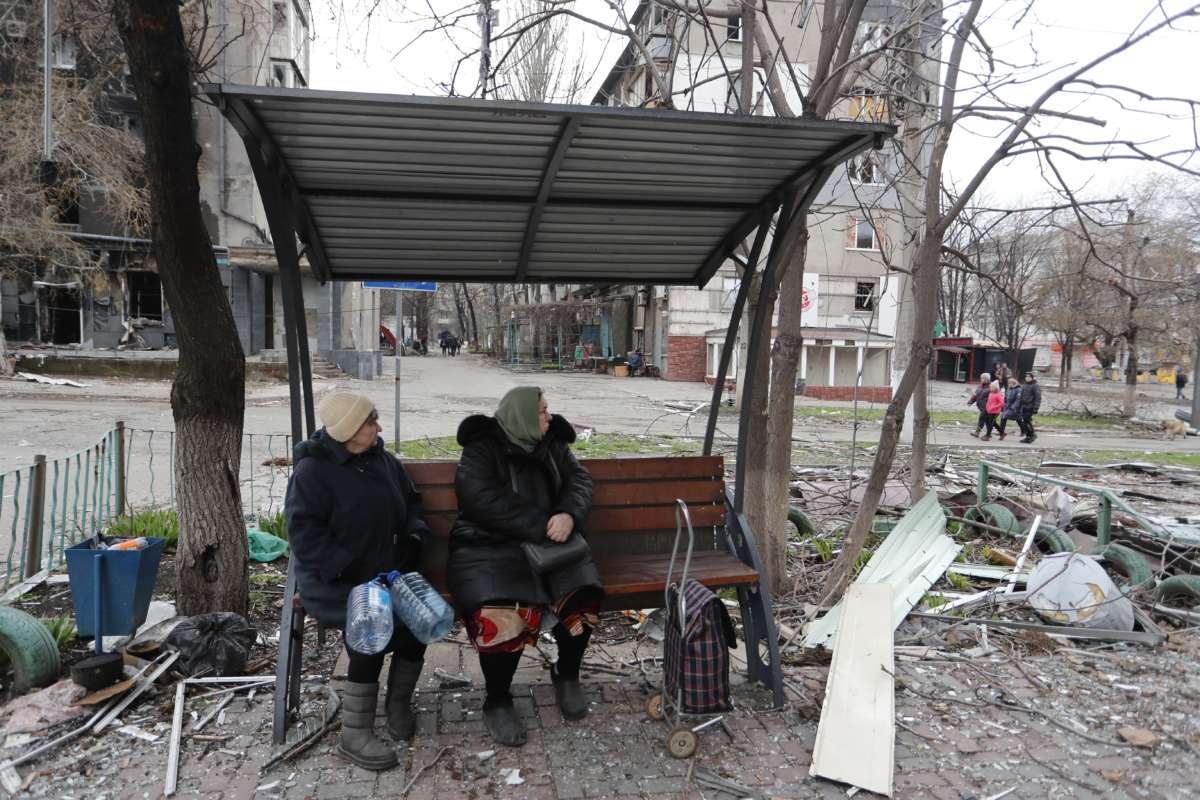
(696, 659)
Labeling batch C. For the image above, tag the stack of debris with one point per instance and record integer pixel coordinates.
(1066, 561)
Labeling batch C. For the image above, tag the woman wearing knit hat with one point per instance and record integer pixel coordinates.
(518, 482)
(352, 513)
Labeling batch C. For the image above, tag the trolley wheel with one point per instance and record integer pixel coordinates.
(654, 707)
(681, 743)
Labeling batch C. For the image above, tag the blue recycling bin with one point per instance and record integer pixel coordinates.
(111, 589)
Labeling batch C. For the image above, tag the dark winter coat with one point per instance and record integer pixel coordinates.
(505, 497)
(1031, 397)
(1012, 403)
(1180, 380)
(349, 517)
(979, 398)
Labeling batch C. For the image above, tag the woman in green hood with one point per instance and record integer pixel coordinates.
(518, 482)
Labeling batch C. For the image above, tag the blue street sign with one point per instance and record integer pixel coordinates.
(404, 286)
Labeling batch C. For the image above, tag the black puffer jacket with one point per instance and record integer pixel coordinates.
(505, 497)
(1031, 397)
(349, 517)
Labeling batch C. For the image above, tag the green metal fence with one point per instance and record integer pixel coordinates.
(52, 504)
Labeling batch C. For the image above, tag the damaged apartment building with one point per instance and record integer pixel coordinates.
(851, 299)
(112, 296)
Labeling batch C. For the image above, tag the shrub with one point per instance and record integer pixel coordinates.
(275, 524)
(162, 523)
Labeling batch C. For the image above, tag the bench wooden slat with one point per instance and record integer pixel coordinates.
(604, 521)
(648, 573)
(638, 574)
(441, 473)
(609, 494)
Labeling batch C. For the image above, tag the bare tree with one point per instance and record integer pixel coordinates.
(208, 394)
(1017, 138)
(1066, 298)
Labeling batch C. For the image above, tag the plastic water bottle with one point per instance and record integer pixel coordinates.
(420, 607)
(369, 618)
(140, 543)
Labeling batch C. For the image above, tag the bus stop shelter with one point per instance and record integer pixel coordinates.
(394, 187)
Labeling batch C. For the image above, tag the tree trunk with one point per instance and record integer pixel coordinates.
(458, 310)
(785, 363)
(208, 394)
(920, 437)
(5, 367)
(471, 314)
(925, 290)
(757, 436)
(1068, 364)
(498, 340)
(1131, 366)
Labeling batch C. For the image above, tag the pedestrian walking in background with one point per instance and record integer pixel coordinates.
(995, 405)
(1012, 407)
(1031, 403)
(979, 400)
(1180, 382)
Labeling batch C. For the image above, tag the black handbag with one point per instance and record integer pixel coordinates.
(546, 557)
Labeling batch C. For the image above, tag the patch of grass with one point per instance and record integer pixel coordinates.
(275, 524)
(62, 629)
(934, 600)
(437, 448)
(960, 582)
(599, 445)
(824, 548)
(162, 523)
(1154, 457)
(616, 445)
(964, 417)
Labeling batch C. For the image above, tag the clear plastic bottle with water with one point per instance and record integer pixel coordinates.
(369, 617)
(419, 606)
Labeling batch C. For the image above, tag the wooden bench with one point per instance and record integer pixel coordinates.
(631, 530)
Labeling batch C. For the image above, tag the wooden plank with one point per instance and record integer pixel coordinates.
(609, 494)
(633, 574)
(603, 521)
(856, 737)
(602, 469)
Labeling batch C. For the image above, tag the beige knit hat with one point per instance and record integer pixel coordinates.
(343, 413)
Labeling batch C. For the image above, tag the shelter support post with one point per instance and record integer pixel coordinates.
(291, 617)
(758, 618)
(731, 333)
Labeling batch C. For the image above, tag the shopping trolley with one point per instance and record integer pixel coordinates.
(676, 699)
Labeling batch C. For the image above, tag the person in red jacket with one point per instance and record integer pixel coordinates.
(994, 407)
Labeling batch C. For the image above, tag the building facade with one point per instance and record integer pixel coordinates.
(115, 298)
(852, 297)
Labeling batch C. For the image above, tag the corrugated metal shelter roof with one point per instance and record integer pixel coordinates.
(403, 187)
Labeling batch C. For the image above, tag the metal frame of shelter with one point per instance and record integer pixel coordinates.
(392, 187)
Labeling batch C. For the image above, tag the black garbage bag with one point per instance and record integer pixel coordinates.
(212, 644)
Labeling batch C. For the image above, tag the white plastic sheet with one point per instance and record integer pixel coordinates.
(1071, 589)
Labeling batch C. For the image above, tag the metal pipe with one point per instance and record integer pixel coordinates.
(731, 333)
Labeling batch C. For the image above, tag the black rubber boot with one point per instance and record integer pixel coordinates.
(572, 702)
(358, 742)
(402, 682)
(503, 722)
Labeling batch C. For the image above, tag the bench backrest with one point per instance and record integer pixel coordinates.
(633, 504)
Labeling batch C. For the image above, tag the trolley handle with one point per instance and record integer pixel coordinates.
(680, 506)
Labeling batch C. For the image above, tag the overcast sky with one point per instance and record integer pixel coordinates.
(399, 55)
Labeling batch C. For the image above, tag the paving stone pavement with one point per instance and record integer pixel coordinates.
(952, 743)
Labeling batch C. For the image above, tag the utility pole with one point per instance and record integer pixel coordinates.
(1195, 423)
(487, 19)
(47, 117)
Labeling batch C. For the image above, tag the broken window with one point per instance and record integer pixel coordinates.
(864, 296)
(867, 105)
(733, 29)
(145, 295)
(860, 235)
(864, 168)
